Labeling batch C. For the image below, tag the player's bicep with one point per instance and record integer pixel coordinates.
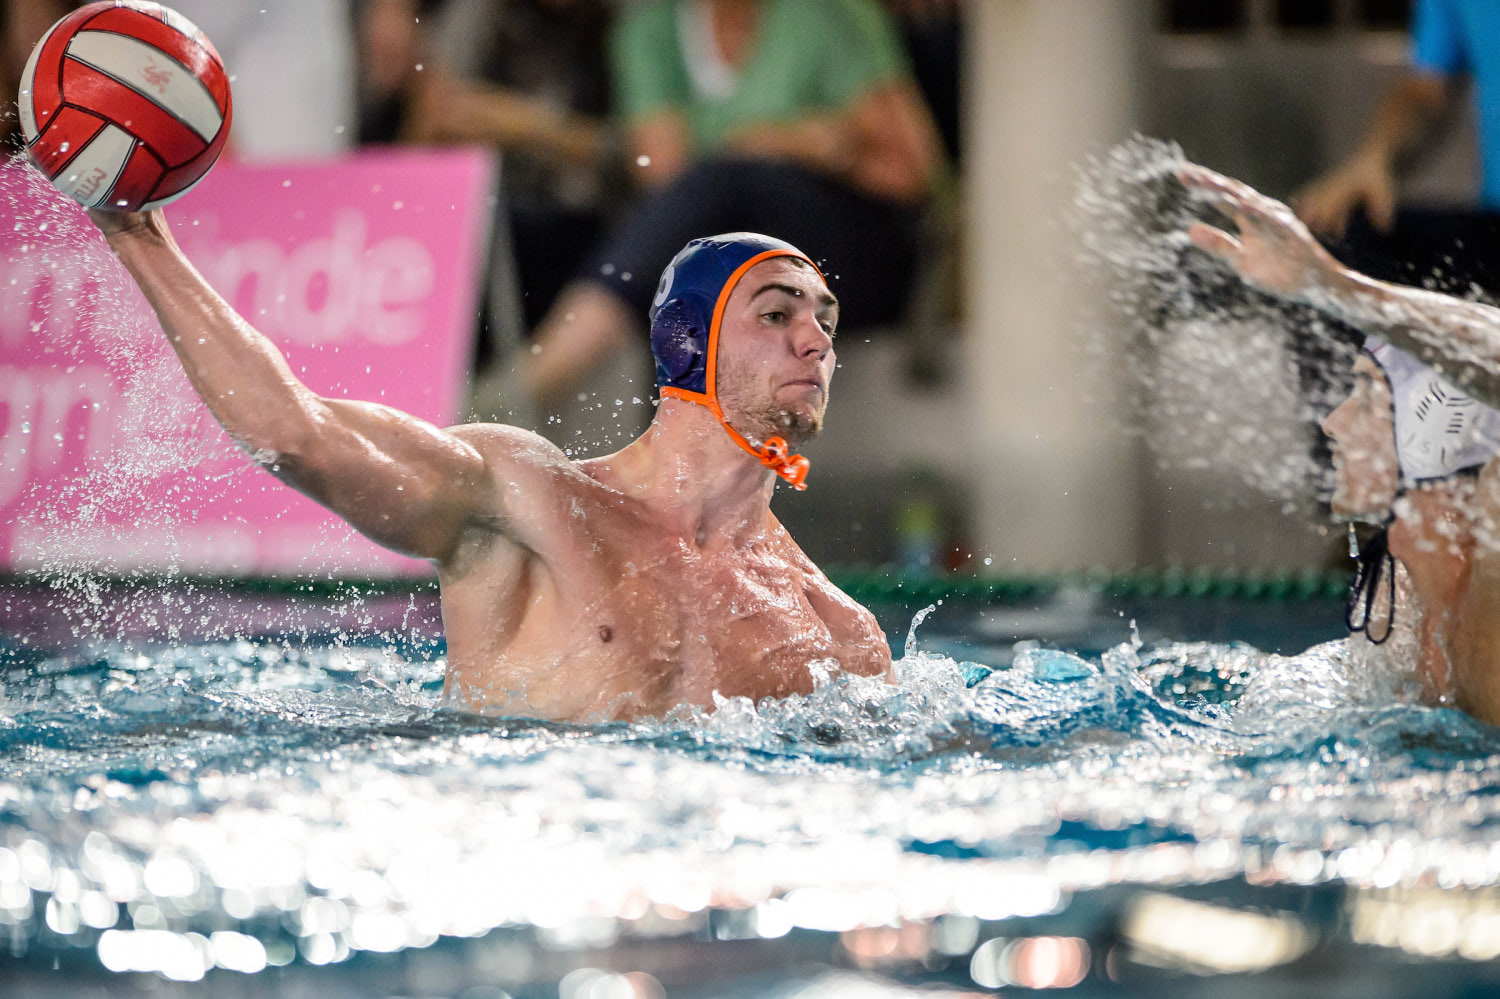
(399, 480)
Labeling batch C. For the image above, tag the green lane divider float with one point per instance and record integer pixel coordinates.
(864, 584)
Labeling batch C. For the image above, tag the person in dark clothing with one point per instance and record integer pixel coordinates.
(794, 117)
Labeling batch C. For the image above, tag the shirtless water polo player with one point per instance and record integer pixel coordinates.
(603, 589)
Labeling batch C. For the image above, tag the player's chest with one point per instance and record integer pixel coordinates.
(747, 614)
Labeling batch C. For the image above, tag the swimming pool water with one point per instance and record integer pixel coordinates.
(257, 803)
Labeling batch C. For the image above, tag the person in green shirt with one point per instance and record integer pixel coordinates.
(797, 118)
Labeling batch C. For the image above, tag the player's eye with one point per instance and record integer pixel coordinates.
(775, 316)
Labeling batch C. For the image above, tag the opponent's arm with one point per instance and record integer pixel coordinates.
(1274, 251)
(401, 481)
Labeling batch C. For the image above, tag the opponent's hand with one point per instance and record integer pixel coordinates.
(1365, 181)
(1274, 251)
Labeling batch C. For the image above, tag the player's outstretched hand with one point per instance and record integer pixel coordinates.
(1273, 250)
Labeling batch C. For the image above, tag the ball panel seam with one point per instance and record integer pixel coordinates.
(148, 121)
(172, 87)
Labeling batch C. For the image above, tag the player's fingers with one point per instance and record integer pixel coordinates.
(1203, 179)
(1215, 242)
(1195, 176)
(1253, 204)
(1240, 203)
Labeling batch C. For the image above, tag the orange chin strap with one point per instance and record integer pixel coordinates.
(774, 454)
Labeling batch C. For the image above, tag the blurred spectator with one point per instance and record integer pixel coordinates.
(1356, 204)
(932, 31)
(25, 24)
(291, 63)
(393, 47)
(531, 78)
(797, 118)
(528, 77)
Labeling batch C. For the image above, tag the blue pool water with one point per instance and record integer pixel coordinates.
(255, 807)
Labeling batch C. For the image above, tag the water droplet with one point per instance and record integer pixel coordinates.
(26, 427)
(64, 147)
(643, 161)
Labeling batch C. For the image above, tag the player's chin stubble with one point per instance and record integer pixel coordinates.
(762, 419)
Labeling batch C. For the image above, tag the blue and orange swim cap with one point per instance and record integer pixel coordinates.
(685, 318)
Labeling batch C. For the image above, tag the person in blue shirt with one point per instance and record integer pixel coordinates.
(1356, 204)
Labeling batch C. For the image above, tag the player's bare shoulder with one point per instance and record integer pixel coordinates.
(511, 448)
(849, 622)
(531, 477)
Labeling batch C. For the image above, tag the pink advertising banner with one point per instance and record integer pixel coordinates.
(365, 272)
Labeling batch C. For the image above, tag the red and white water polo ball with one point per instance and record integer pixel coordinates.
(125, 105)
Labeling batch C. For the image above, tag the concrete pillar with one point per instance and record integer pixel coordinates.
(1048, 82)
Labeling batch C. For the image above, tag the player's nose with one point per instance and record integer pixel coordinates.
(809, 338)
(1336, 423)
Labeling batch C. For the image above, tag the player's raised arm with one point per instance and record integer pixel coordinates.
(398, 479)
(1273, 251)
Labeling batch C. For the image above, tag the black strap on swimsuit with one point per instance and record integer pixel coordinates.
(1374, 563)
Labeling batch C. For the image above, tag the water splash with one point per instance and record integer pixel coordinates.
(1223, 378)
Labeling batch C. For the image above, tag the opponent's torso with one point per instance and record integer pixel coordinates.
(619, 618)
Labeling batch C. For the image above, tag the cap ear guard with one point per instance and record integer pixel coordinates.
(679, 336)
(1440, 430)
